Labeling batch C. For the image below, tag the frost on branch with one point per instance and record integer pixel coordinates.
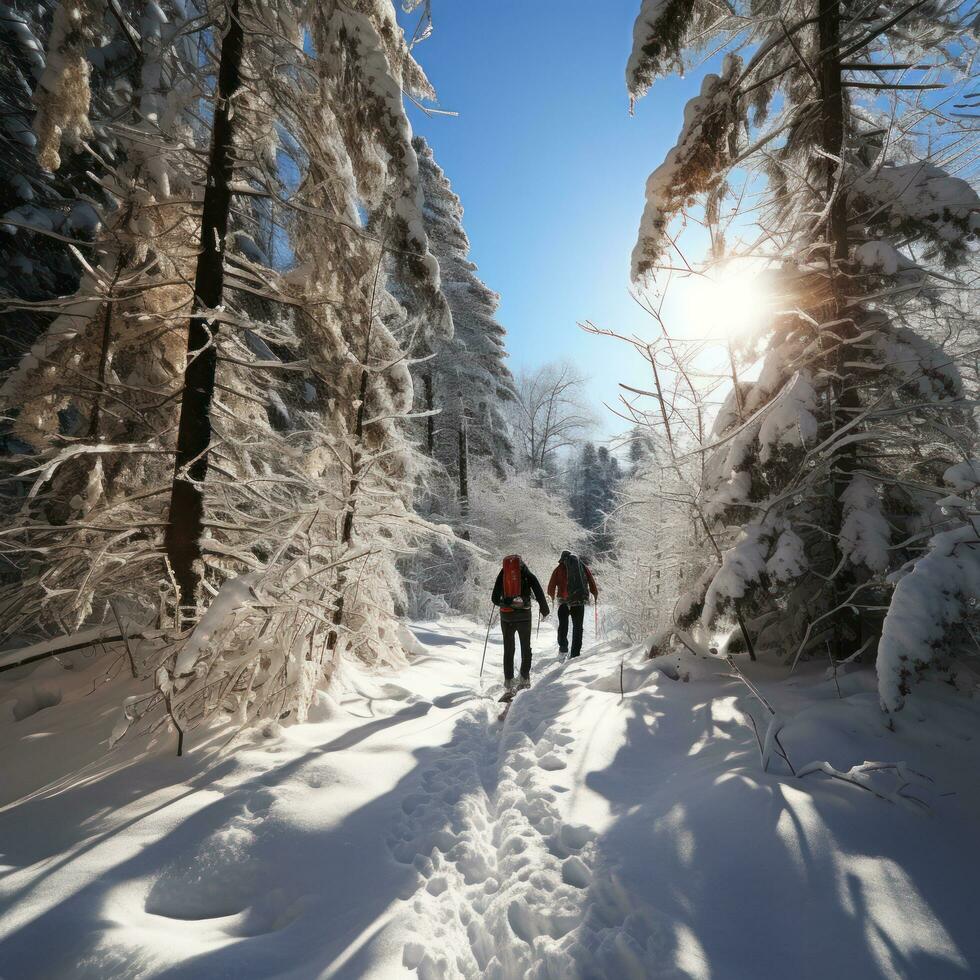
(658, 37)
(63, 96)
(917, 200)
(864, 533)
(706, 146)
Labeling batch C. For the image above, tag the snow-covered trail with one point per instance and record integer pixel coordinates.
(280, 858)
(617, 824)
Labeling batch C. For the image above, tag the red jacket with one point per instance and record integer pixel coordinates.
(559, 581)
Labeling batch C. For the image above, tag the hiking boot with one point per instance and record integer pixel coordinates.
(524, 684)
(510, 684)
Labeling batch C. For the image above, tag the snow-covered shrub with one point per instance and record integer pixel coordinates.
(934, 615)
(654, 550)
(508, 514)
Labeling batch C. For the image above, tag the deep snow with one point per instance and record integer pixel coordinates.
(404, 831)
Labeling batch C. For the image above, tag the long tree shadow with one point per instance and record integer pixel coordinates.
(743, 874)
(300, 895)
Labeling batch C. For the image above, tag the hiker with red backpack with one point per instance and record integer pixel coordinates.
(512, 592)
(572, 581)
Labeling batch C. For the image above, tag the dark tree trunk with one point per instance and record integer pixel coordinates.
(186, 524)
(464, 478)
(832, 122)
(347, 527)
(846, 403)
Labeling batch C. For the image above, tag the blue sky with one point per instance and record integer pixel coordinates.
(551, 168)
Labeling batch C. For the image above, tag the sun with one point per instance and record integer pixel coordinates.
(734, 301)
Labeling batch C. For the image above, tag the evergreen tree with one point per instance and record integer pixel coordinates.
(641, 447)
(53, 199)
(466, 379)
(813, 496)
(273, 232)
(594, 482)
(463, 389)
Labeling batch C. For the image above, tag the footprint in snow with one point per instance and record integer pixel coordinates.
(574, 871)
(552, 762)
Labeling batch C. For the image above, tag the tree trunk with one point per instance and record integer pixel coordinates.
(186, 524)
(347, 528)
(430, 422)
(846, 403)
(464, 478)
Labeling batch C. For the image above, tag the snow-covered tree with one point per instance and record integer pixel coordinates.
(593, 478)
(466, 379)
(92, 398)
(508, 514)
(814, 489)
(654, 548)
(551, 415)
(462, 386)
(240, 315)
(48, 211)
(934, 616)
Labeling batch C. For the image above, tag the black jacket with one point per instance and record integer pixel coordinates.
(529, 585)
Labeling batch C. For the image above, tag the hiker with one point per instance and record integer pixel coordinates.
(512, 593)
(573, 582)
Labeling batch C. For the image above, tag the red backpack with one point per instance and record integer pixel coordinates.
(512, 579)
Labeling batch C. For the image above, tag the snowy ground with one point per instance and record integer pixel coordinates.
(405, 831)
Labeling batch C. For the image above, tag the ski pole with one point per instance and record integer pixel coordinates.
(493, 609)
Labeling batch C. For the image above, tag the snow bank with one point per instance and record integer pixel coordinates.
(963, 477)
(618, 823)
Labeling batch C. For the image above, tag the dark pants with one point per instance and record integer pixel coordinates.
(521, 628)
(577, 614)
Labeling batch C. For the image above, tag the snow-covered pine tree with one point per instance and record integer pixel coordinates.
(933, 618)
(304, 475)
(593, 479)
(642, 447)
(325, 583)
(824, 474)
(463, 390)
(45, 210)
(465, 380)
(92, 399)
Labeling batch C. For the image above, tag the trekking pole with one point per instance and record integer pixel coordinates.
(493, 609)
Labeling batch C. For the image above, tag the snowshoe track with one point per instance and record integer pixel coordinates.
(497, 877)
(504, 887)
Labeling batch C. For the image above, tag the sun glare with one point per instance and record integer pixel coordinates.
(728, 304)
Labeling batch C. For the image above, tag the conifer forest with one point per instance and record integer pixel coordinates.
(489, 491)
